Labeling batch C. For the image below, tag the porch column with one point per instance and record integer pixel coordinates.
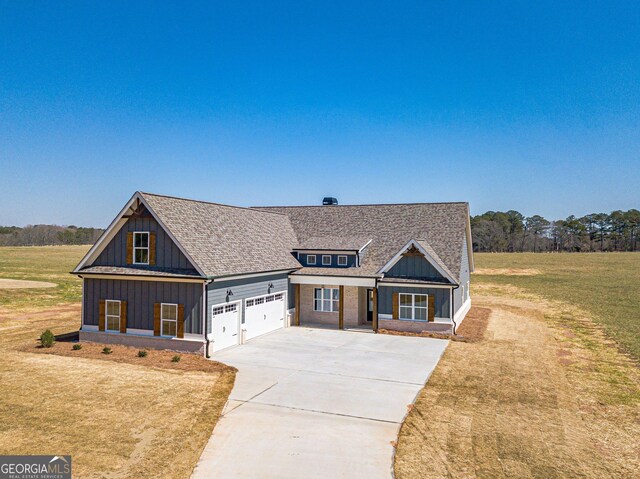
(341, 310)
(296, 317)
(375, 310)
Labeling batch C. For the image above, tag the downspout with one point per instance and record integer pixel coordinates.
(453, 300)
(204, 317)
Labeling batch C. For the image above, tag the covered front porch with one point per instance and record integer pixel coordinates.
(335, 302)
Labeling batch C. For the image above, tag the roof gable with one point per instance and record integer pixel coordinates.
(442, 226)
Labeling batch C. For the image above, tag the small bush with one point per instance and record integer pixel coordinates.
(175, 359)
(106, 350)
(142, 353)
(47, 339)
(77, 347)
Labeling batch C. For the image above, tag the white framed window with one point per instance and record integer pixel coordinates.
(413, 306)
(311, 259)
(168, 319)
(462, 295)
(466, 290)
(326, 259)
(342, 260)
(112, 315)
(141, 247)
(326, 299)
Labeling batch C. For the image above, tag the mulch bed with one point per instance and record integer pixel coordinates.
(470, 331)
(475, 324)
(125, 354)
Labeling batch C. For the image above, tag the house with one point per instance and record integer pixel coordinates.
(197, 276)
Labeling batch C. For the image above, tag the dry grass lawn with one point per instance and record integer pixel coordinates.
(543, 394)
(117, 417)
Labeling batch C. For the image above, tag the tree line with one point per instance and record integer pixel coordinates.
(41, 235)
(497, 231)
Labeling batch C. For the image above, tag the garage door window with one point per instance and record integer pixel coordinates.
(326, 299)
(169, 319)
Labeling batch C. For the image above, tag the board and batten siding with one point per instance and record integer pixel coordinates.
(140, 297)
(168, 255)
(351, 260)
(414, 267)
(242, 289)
(441, 295)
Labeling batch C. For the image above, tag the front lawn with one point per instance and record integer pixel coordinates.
(117, 415)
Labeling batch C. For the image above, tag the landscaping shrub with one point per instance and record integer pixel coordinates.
(142, 353)
(106, 350)
(47, 339)
(77, 347)
(175, 359)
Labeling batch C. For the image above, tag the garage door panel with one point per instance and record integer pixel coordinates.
(224, 326)
(264, 314)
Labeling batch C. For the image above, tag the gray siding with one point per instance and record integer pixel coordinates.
(385, 298)
(140, 297)
(416, 267)
(243, 289)
(168, 255)
(464, 276)
(351, 260)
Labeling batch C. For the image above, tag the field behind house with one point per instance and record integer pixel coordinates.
(606, 285)
(140, 418)
(549, 390)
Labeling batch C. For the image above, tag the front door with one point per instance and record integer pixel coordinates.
(369, 305)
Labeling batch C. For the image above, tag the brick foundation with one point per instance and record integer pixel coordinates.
(413, 326)
(143, 342)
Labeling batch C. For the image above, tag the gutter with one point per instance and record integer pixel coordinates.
(453, 314)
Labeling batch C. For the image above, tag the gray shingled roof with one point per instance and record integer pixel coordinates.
(391, 227)
(334, 242)
(227, 240)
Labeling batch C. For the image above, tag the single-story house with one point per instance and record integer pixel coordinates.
(198, 276)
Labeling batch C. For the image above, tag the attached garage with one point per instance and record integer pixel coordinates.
(264, 314)
(225, 323)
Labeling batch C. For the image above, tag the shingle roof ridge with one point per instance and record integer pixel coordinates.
(367, 204)
(246, 208)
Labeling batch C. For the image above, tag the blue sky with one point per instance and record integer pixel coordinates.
(533, 106)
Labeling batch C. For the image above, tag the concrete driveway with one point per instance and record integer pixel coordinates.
(316, 403)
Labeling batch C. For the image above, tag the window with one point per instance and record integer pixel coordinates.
(141, 248)
(168, 319)
(342, 260)
(311, 259)
(249, 303)
(112, 317)
(326, 299)
(217, 310)
(467, 290)
(413, 306)
(326, 260)
(279, 296)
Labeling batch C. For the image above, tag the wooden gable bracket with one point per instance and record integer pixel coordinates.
(412, 251)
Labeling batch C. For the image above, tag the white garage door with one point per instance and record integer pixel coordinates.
(263, 314)
(225, 321)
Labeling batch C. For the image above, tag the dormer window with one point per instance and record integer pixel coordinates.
(141, 247)
(311, 259)
(342, 260)
(326, 260)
